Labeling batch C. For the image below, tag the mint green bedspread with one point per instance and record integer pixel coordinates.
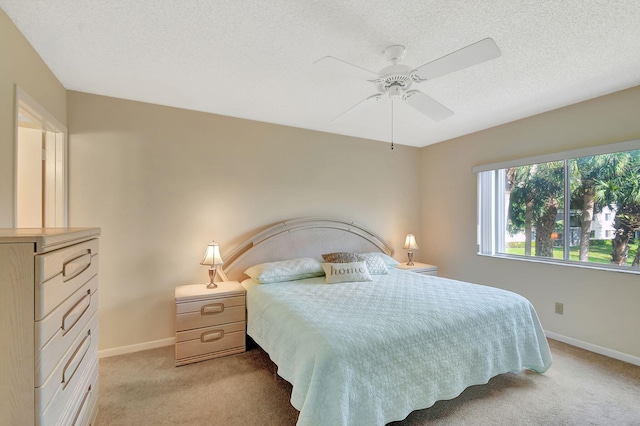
(369, 353)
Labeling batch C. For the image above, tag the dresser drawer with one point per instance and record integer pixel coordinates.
(57, 331)
(58, 388)
(61, 272)
(210, 312)
(88, 409)
(211, 341)
(81, 405)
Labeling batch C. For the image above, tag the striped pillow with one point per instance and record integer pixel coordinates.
(339, 257)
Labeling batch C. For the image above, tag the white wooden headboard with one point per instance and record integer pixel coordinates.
(303, 237)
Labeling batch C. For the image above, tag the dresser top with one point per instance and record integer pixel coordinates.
(47, 239)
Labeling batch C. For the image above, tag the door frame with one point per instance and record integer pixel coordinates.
(56, 207)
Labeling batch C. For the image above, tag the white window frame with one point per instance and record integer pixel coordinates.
(492, 176)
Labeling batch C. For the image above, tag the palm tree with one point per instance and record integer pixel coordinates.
(586, 173)
(549, 183)
(623, 195)
(534, 200)
(521, 200)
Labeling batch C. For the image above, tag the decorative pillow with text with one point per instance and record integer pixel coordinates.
(346, 272)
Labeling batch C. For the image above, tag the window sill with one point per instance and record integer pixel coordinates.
(569, 263)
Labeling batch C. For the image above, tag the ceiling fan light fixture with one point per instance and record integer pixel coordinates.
(396, 91)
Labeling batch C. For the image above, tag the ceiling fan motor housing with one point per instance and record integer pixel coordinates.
(395, 79)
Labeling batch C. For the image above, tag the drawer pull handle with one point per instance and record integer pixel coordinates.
(82, 409)
(212, 309)
(75, 266)
(75, 360)
(211, 336)
(75, 313)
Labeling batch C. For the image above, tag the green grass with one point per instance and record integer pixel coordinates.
(599, 251)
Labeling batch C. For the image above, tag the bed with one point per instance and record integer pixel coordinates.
(370, 352)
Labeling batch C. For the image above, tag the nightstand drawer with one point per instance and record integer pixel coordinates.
(210, 305)
(211, 341)
(211, 313)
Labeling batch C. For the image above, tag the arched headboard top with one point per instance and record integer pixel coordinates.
(302, 237)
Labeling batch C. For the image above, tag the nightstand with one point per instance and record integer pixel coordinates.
(420, 268)
(210, 323)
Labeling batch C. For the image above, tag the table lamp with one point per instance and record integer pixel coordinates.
(213, 259)
(410, 243)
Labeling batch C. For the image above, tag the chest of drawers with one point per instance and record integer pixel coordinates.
(209, 322)
(49, 326)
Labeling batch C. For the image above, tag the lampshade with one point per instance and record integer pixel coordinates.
(212, 255)
(410, 242)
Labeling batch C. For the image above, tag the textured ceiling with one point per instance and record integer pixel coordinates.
(253, 59)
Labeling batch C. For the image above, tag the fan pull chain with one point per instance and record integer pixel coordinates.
(391, 124)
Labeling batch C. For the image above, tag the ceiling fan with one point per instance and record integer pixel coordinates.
(397, 79)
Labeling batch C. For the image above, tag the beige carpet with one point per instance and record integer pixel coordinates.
(144, 388)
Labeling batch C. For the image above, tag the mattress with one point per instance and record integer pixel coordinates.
(368, 353)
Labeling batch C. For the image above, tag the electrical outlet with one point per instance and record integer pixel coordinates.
(559, 308)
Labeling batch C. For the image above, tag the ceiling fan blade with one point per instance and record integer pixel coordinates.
(427, 105)
(338, 66)
(359, 108)
(473, 54)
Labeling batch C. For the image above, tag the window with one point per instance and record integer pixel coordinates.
(569, 207)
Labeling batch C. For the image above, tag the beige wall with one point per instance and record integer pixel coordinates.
(21, 65)
(601, 308)
(163, 182)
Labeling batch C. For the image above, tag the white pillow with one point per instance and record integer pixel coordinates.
(388, 260)
(285, 270)
(375, 263)
(346, 272)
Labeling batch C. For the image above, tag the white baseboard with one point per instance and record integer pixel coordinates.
(137, 347)
(594, 348)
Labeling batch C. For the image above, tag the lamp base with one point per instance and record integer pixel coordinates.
(410, 262)
(212, 276)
